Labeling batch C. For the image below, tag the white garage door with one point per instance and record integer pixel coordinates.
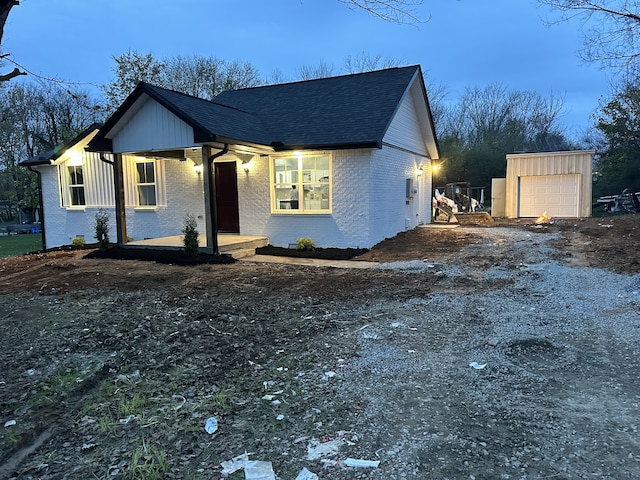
(558, 195)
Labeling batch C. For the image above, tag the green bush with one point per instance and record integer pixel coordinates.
(78, 242)
(305, 243)
(190, 231)
(102, 229)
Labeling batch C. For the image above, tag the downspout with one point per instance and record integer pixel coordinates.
(41, 206)
(105, 159)
(212, 197)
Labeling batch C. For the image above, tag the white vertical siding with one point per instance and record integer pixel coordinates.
(98, 181)
(405, 130)
(152, 127)
(549, 163)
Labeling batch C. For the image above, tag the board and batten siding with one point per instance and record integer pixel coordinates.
(152, 127)
(549, 163)
(98, 180)
(405, 130)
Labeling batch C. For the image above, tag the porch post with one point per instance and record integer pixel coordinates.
(210, 214)
(121, 217)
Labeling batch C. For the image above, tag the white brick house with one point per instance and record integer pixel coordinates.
(354, 147)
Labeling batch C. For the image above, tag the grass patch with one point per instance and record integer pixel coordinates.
(58, 386)
(11, 437)
(222, 401)
(148, 462)
(15, 245)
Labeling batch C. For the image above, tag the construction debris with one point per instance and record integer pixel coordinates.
(626, 202)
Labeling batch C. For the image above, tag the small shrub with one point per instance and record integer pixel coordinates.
(78, 242)
(190, 231)
(305, 243)
(102, 229)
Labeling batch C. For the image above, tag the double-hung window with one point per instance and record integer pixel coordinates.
(146, 183)
(75, 181)
(301, 184)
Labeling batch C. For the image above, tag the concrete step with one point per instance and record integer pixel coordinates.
(244, 249)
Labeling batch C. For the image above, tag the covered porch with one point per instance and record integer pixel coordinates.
(237, 246)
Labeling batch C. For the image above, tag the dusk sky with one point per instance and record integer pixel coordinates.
(465, 43)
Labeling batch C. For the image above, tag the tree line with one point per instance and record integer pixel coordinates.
(475, 131)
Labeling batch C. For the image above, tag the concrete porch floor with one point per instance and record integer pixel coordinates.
(227, 243)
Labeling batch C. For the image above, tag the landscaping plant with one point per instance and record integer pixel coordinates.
(190, 231)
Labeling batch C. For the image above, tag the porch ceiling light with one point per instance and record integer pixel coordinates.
(75, 158)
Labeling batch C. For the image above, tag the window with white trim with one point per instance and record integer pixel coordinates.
(146, 183)
(301, 184)
(75, 181)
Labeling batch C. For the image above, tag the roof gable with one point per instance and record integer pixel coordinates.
(52, 155)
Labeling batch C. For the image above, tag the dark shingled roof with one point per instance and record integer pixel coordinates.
(346, 110)
(45, 158)
(349, 111)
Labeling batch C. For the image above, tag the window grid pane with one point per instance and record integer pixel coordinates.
(76, 185)
(146, 183)
(309, 175)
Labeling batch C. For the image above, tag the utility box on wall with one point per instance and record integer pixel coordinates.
(410, 191)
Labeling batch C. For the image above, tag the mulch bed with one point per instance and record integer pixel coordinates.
(173, 257)
(321, 253)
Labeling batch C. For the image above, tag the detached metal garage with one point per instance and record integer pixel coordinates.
(558, 183)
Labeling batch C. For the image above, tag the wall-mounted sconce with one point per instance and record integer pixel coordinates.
(198, 169)
(419, 171)
(246, 165)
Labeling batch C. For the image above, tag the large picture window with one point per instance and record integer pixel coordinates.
(76, 185)
(301, 184)
(146, 183)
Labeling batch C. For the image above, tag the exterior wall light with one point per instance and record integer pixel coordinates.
(198, 169)
(246, 165)
(419, 171)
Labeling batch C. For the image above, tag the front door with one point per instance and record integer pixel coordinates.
(227, 197)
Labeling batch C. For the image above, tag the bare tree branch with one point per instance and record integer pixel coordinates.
(12, 74)
(5, 9)
(394, 11)
(611, 29)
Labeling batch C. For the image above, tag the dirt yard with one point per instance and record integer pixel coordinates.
(501, 352)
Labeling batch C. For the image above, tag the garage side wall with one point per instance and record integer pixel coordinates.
(548, 164)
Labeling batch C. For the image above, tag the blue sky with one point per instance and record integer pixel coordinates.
(465, 43)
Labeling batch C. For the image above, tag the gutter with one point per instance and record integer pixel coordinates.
(213, 214)
(41, 206)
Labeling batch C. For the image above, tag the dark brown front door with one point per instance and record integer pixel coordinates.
(227, 197)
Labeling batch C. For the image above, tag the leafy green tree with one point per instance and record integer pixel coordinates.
(618, 122)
